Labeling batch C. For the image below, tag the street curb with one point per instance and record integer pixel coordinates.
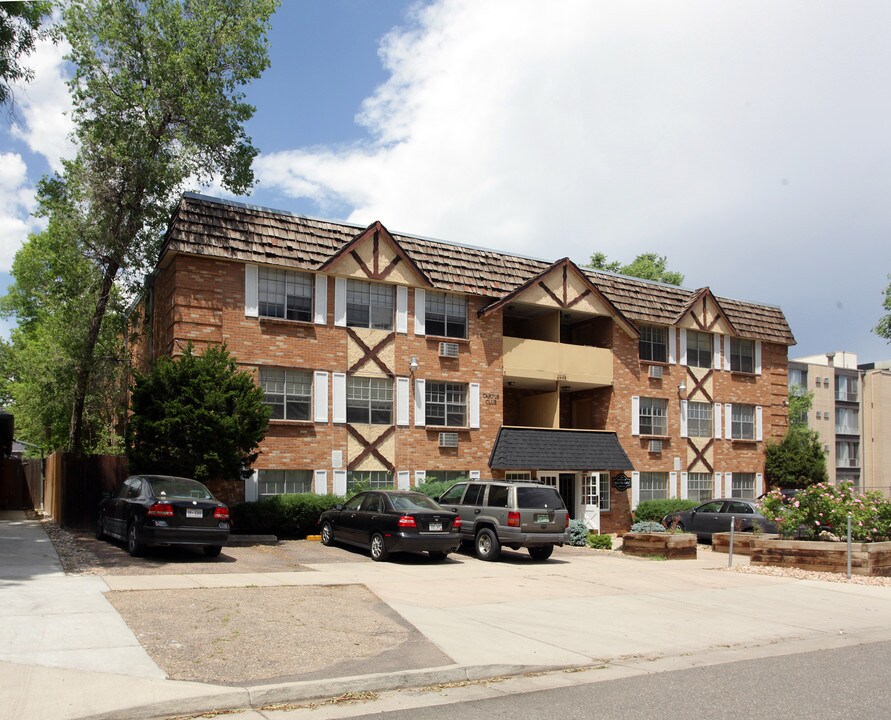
(235, 540)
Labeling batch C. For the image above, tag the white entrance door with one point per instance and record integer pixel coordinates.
(589, 500)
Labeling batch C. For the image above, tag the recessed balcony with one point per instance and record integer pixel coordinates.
(542, 365)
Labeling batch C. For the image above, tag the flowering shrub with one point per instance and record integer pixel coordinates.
(825, 507)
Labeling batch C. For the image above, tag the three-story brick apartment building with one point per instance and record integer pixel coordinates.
(397, 358)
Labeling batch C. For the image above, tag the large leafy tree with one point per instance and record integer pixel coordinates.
(883, 329)
(19, 31)
(158, 104)
(797, 460)
(196, 416)
(649, 266)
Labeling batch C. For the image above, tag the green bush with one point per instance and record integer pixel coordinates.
(285, 516)
(600, 542)
(433, 488)
(655, 510)
(578, 533)
(648, 526)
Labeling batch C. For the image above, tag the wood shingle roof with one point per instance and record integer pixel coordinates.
(244, 233)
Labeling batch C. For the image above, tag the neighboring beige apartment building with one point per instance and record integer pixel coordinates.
(852, 414)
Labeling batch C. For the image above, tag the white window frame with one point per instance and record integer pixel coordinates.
(371, 388)
(363, 296)
(269, 293)
(452, 308)
(653, 405)
(450, 402)
(289, 378)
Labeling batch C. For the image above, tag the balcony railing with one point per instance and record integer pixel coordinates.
(576, 365)
(847, 396)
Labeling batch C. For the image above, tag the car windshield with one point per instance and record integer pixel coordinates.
(413, 501)
(179, 488)
(539, 497)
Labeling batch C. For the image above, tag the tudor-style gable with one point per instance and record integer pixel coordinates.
(704, 313)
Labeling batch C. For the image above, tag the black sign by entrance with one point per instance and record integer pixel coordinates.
(621, 482)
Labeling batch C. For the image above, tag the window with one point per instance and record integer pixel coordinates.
(847, 421)
(654, 343)
(742, 355)
(498, 496)
(446, 476)
(847, 453)
(368, 479)
(369, 305)
(742, 422)
(474, 494)
(653, 486)
(699, 349)
(846, 388)
(653, 416)
(280, 482)
(446, 404)
(287, 392)
(369, 400)
(797, 381)
(743, 486)
(285, 294)
(699, 486)
(452, 496)
(589, 490)
(446, 315)
(524, 476)
(604, 492)
(699, 419)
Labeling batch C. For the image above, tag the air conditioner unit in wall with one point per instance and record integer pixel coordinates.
(655, 446)
(655, 371)
(448, 440)
(448, 349)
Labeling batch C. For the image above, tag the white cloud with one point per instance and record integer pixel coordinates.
(747, 141)
(16, 204)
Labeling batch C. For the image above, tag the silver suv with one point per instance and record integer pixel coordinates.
(514, 514)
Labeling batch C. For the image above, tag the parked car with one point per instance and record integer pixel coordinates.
(496, 513)
(164, 510)
(387, 521)
(715, 515)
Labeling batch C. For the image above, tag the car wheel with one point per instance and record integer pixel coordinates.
(487, 546)
(379, 550)
(100, 530)
(212, 551)
(134, 545)
(542, 552)
(327, 534)
(679, 526)
(437, 555)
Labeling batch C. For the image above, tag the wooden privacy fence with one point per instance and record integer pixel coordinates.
(74, 485)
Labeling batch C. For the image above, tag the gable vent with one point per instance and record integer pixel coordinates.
(655, 446)
(448, 440)
(655, 371)
(448, 349)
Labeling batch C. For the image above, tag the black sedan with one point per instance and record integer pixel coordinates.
(164, 510)
(716, 515)
(386, 521)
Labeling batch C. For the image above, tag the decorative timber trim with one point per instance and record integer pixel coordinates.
(370, 448)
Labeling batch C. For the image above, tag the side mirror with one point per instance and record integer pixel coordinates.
(339, 506)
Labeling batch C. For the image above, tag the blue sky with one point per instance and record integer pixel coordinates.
(746, 141)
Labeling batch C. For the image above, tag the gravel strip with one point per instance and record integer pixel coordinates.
(799, 574)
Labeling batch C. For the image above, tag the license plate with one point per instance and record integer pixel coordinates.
(542, 518)
(194, 513)
(435, 527)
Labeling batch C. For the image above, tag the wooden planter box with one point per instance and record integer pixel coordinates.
(742, 542)
(866, 558)
(672, 546)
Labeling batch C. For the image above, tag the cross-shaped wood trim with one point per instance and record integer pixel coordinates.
(700, 454)
(370, 353)
(699, 385)
(370, 448)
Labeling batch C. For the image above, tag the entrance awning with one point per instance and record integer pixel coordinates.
(544, 448)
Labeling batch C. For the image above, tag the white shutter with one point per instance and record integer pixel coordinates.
(340, 302)
(728, 484)
(759, 420)
(757, 357)
(251, 487)
(683, 418)
(420, 477)
(717, 353)
(338, 397)
(635, 489)
(420, 312)
(685, 490)
(717, 417)
(473, 403)
(251, 291)
(402, 392)
(727, 353)
(718, 489)
(340, 482)
(672, 485)
(320, 397)
(403, 480)
(759, 484)
(683, 346)
(321, 309)
(401, 309)
(420, 400)
(635, 415)
(728, 421)
(672, 345)
(320, 482)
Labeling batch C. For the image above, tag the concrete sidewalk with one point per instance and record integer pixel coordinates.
(65, 653)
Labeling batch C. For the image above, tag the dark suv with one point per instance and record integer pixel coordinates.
(514, 514)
